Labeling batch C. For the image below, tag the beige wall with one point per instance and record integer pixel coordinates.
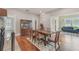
(17, 15)
(45, 18)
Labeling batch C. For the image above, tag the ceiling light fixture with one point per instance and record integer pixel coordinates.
(42, 13)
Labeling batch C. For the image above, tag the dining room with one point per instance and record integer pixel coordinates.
(46, 33)
(43, 33)
(41, 29)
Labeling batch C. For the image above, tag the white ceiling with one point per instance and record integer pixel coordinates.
(38, 10)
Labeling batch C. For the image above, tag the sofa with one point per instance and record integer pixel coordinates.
(70, 29)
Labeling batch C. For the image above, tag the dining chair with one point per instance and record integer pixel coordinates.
(55, 39)
(37, 37)
(34, 36)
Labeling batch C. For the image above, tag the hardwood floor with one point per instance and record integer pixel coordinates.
(68, 42)
(25, 45)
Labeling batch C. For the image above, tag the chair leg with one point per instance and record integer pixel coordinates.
(58, 46)
(55, 46)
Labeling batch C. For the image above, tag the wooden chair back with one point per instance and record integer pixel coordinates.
(57, 36)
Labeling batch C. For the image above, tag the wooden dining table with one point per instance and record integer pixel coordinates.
(45, 33)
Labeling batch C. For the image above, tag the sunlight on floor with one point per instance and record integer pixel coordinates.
(70, 42)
